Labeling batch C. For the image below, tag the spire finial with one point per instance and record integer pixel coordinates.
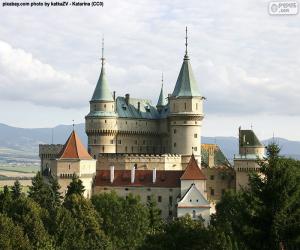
(162, 78)
(102, 57)
(186, 43)
(73, 125)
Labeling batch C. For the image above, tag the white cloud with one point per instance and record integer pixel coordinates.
(245, 61)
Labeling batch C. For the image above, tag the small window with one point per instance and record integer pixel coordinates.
(105, 106)
(135, 142)
(94, 156)
(69, 166)
(95, 141)
(111, 141)
(126, 149)
(195, 148)
(191, 200)
(171, 200)
(170, 213)
(126, 122)
(103, 149)
(212, 177)
(105, 121)
(159, 199)
(119, 141)
(212, 192)
(144, 142)
(196, 106)
(148, 197)
(197, 200)
(126, 189)
(195, 136)
(185, 106)
(132, 149)
(174, 131)
(194, 214)
(174, 144)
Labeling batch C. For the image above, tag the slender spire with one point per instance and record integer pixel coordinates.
(186, 44)
(161, 100)
(102, 57)
(186, 84)
(102, 92)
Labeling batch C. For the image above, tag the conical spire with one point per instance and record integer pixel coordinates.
(161, 100)
(102, 92)
(186, 84)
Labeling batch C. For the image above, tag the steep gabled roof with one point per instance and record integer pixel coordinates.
(74, 149)
(192, 171)
(193, 198)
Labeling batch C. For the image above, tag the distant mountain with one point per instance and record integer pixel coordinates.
(22, 143)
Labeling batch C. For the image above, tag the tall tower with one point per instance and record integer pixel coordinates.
(186, 114)
(250, 150)
(101, 123)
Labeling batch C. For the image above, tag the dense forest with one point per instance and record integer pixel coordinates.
(266, 215)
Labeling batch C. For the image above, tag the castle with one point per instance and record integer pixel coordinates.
(135, 147)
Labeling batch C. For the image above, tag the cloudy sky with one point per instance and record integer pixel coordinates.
(246, 62)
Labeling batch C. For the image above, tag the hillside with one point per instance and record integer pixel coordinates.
(21, 144)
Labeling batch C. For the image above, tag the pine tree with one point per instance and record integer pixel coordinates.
(155, 220)
(57, 197)
(16, 190)
(75, 187)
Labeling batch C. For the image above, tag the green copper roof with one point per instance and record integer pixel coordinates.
(248, 138)
(102, 92)
(162, 101)
(186, 84)
(219, 157)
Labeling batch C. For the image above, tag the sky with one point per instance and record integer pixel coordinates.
(246, 62)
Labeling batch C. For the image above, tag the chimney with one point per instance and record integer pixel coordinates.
(114, 95)
(127, 98)
(154, 175)
(139, 106)
(112, 174)
(132, 174)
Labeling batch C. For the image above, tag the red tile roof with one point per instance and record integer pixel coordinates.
(192, 171)
(143, 178)
(74, 149)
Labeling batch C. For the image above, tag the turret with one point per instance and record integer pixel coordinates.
(186, 113)
(162, 101)
(250, 150)
(101, 121)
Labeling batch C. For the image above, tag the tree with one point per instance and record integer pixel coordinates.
(41, 192)
(57, 197)
(5, 199)
(29, 215)
(125, 221)
(75, 186)
(12, 236)
(184, 234)
(265, 215)
(16, 190)
(154, 213)
(86, 222)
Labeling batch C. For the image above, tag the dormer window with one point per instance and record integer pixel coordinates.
(124, 107)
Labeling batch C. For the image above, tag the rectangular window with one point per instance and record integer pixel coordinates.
(195, 136)
(212, 177)
(195, 148)
(111, 141)
(119, 141)
(171, 200)
(159, 199)
(212, 192)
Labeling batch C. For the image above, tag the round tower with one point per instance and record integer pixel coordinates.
(101, 122)
(186, 114)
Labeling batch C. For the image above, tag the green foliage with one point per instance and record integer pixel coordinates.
(75, 187)
(5, 199)
(16, 190)
(57, 197)
(185, 234)
(154, 213)
(87, 222)
(28, 214)
(266, 215)
(125, 221)
(12, 236)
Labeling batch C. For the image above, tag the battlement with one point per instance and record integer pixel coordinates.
(50, 150)
(140, 161)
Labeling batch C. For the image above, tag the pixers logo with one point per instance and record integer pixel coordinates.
(283, 8)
